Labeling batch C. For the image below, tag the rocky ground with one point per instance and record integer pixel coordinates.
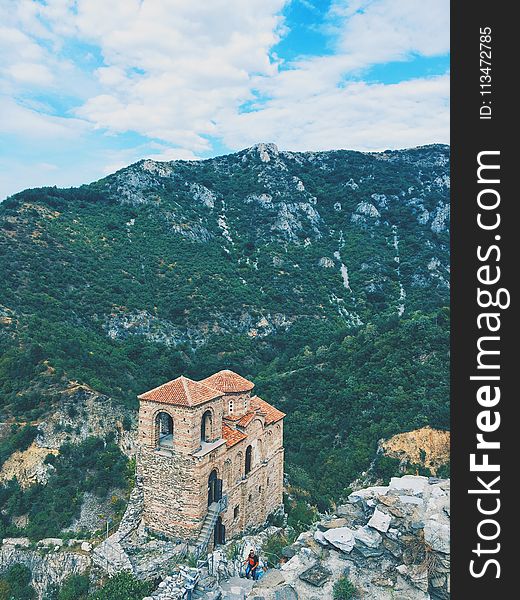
(391, 542)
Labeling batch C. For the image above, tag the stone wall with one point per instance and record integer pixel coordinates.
(171, 493)
(186, 424)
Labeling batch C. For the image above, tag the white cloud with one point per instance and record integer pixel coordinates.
(357, 116)
(384, 30)
(178, 72)
(27, 123)
(30, 73)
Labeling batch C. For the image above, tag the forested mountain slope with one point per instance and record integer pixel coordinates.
(324, 276)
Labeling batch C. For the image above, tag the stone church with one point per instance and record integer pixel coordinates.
(210, 458)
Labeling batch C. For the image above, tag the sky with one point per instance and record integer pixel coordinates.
(90, 86)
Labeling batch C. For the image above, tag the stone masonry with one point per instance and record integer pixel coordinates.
(202, 441)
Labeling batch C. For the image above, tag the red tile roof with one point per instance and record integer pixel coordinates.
(232, 436)
(228, 381)
(244, 420)
(271, 413)
(181, 392)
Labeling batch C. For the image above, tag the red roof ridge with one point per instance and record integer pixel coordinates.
(272, 414)
(181, 391)
(228, 381)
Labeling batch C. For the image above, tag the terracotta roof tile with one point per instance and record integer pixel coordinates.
(246, 419)
(271, 413)
(181, 392)
(228, 381)
(232, 436)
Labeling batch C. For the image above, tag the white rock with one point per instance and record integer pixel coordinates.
(341, 538)
(380, 521)
(437, 492)
(370, 492)
(86, 546)
(320, 538)
(20, 541)
(368, 536)
(437, 535)
(51, 542)
(415, 484)
(411, 500)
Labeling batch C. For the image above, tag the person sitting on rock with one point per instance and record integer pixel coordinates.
(251, 564)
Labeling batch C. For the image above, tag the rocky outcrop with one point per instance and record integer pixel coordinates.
(121, 325)
(49, 565)
(427, 447)
(28, 466)
(390, 541)
(82, 412)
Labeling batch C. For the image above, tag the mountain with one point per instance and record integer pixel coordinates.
(322, 275)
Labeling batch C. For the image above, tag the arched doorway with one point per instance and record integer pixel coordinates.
(214, 488)
(164, 430)
(206, 426)
(219, 533)
(249, 455)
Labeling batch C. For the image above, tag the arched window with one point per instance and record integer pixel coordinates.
(206, 427)
(164, 430)
(259, 451)
(238, 467)
(249, 454)
(227, 477)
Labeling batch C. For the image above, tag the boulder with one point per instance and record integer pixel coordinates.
(22, 542)
(437, 535)
(367, 536)
(319, 536)
(271, 578)
(411, 500)
(368, 493)
(350, 511)
(287, 592)
(289, 551)
(341, 538)
(317, 575)
(47, 542)
(380, 521)
(86, 546)
(414, 484)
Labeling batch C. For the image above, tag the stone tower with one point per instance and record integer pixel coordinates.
(210, 457)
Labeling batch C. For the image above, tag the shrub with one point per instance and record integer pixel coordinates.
(272, 549)
(74, 587)
(343, 589)
(123, 586)
(301, 516)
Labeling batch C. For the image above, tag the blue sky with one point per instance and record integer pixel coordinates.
(88, 86)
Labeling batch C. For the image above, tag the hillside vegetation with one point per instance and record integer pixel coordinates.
(322, 276)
